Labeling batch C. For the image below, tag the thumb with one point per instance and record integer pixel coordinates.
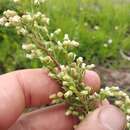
(107, 117)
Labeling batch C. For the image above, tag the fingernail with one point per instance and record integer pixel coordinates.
(112, 118)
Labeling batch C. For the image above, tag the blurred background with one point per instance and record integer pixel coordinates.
(102, 27)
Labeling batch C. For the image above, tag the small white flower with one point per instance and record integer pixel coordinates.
(80, 60)
(28, 46)
(85, 24)
(16, 1)
(128, 111)
(45, 29)
(128, 118)
(7, 24)
(15, 20)
(37, 2)
(59, 43)
(81, 117)
(83, 65)
(96, 27)
(52, 96)
(105, 45)
(22, 31)
(107, 88)
(57, 31)
(65, 83)
(115, 88)
(118, 102)
(116, 27)
(74, 43)
(3, 20)
(110, 41)
(71, 55)
(45, 20)
(68, 112)
(66, 37)
(27, 17)
(128, 125)
(68, 94)
(60, 94)
(29, 56)
(91, 66)
(9, 13)
(84, 92)
(52, 35)
(37, 15)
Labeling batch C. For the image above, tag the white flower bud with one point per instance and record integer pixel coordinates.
(60, 94)
(28, 46)
(57, 31)
(127, 99)
(9, 13)
(65, 83)
(16, 1)
(128, 118)
(51, 35)
(128, 111)
(109, 41)
(59, 43)
(27, 17)
(128, 125)
(45, 29)
(7, 24)
(52, 96)
(66, 37)
(84, 92)
(91, 66)
(77, 98)
(37, 15)
(67, 43)
(118, 102)
(83, 65)
(74, 43)
(3, 20)
(54, 101)
(116, 27)
(75, 113)
(115, 88)
(68, 94)
(29, 56)
(66, 77)
(81, 117)
(37, 2)
(74, 72)
(15, 20)
(47, 59)
(105, 45)
(68, 112)
(96, 27)
(80, 60)
(22, 31)
(71, 55)
(45, 20)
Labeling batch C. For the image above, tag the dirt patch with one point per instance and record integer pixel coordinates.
(114, 77)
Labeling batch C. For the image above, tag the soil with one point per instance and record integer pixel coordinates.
(111, 77)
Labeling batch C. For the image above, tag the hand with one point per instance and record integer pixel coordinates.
(27, 88)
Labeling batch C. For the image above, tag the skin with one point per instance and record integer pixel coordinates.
(27, 88)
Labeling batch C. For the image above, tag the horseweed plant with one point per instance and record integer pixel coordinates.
(45, 46)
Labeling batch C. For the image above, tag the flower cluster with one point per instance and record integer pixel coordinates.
(63, 64)
(35, 2)
(122, 100)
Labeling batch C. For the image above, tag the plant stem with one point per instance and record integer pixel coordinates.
(41, 46)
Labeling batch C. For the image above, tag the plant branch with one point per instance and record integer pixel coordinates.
(41, 46)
